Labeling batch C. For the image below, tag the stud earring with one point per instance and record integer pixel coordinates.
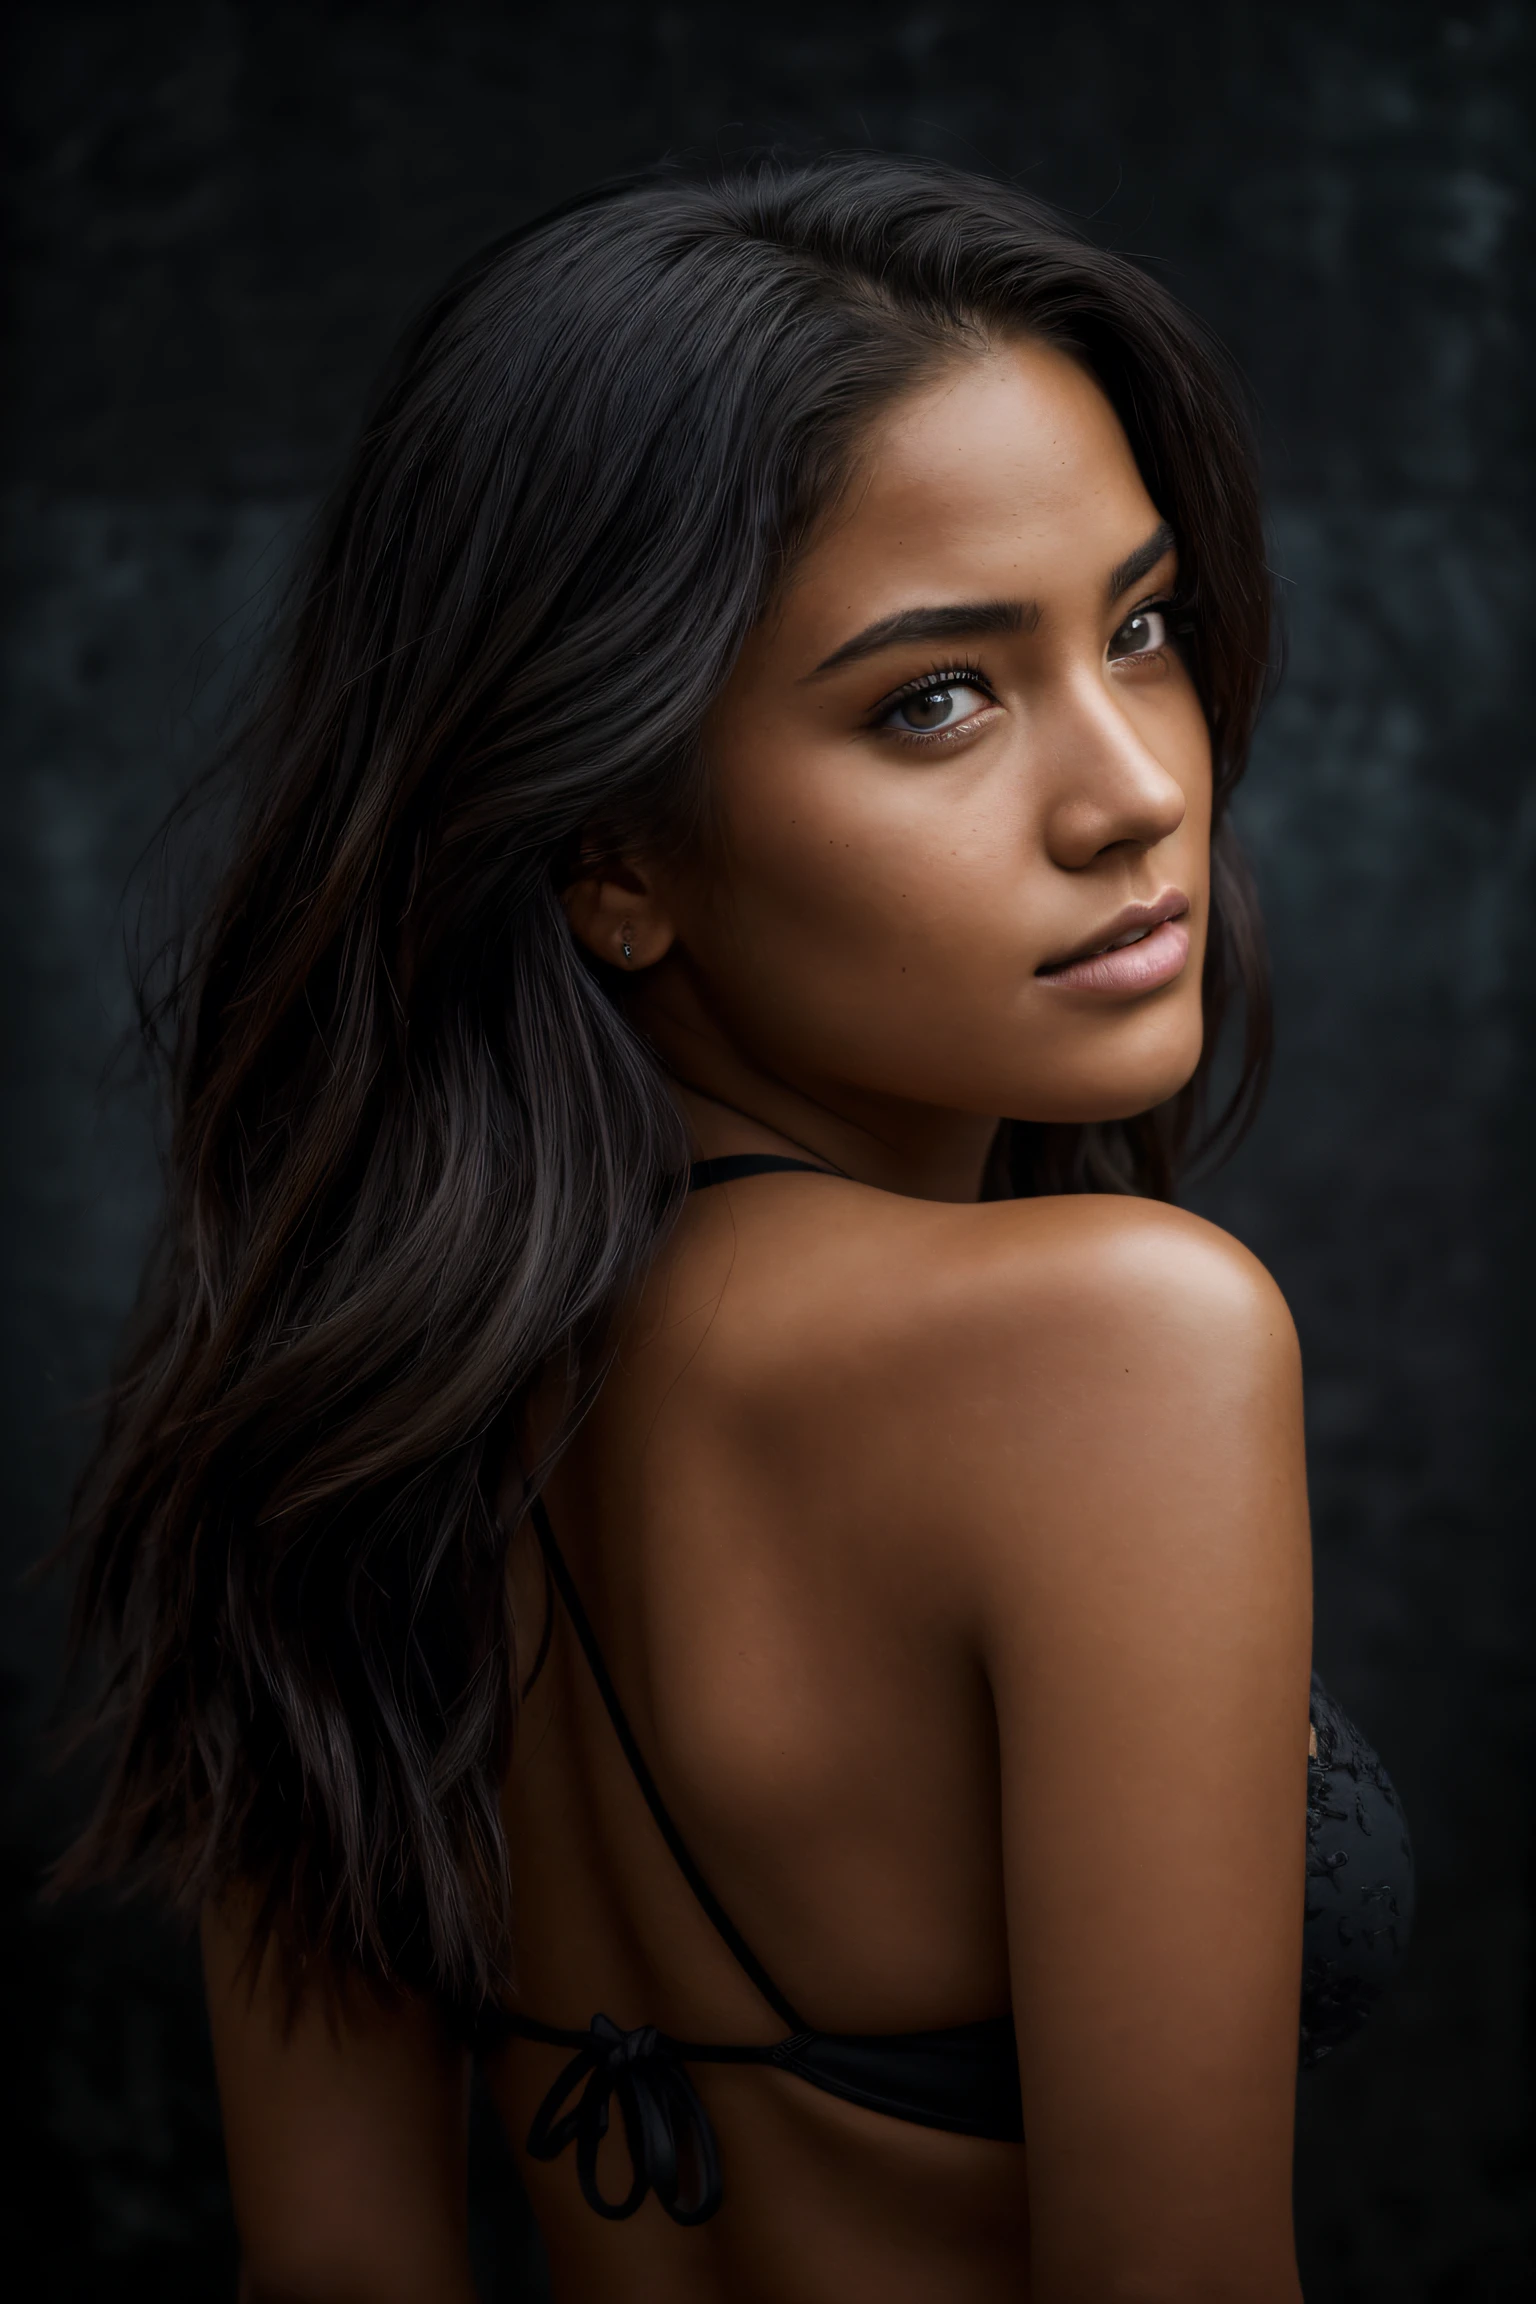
(626, 947)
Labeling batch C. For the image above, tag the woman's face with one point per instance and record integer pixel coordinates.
(956, 770)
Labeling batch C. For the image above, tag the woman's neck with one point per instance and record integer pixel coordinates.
(934, 1163)
(734, 1102)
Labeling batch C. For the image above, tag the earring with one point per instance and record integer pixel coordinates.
(626, 947)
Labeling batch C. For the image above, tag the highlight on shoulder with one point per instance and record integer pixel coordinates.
(1070, 1271)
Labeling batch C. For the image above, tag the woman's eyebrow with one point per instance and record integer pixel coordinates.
(1137, 564)
(975, 619)
(964, 620)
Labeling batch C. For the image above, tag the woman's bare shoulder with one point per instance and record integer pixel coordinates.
(1075, 1420)
(1094, 1273)
(973, 1359)
(1128, 1390)
(844, 1274)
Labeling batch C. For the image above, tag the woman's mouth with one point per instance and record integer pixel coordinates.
(1146, 945)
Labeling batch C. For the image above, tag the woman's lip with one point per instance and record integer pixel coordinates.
(1139, 967)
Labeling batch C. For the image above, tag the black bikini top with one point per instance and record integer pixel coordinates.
(964, 2078)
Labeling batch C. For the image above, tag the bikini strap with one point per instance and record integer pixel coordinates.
(735, 1942)
(703, 1173)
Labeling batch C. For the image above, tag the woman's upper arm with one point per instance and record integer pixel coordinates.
(345, 2129)
(1146, 1620)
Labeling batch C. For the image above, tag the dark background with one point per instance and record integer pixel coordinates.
(220, 215)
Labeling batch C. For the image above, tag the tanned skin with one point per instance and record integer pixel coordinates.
(951, 1556)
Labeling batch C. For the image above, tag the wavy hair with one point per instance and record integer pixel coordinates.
(417, 1155)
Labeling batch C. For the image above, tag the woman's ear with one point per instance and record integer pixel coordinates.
(617, 912)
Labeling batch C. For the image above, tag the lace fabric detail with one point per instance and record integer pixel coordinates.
(1360, 1887)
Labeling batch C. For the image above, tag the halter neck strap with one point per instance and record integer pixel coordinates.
(682, 1856)
(733, 1165)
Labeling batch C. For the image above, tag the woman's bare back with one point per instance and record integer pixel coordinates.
(774, 1517)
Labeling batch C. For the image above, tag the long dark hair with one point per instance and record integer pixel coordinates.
(417, 1154)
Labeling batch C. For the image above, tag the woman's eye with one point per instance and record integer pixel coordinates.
(1142, 634)
(928, 711)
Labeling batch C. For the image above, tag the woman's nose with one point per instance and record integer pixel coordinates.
(1111, 790)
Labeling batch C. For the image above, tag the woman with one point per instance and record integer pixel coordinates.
(810, 1668)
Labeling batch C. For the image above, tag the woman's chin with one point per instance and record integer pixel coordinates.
(1083, 1103)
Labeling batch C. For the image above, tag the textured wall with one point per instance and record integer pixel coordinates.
(221, 213)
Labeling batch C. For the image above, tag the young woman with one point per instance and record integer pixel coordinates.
(683, 1505)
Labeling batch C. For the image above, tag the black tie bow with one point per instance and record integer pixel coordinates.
(663, 2119)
